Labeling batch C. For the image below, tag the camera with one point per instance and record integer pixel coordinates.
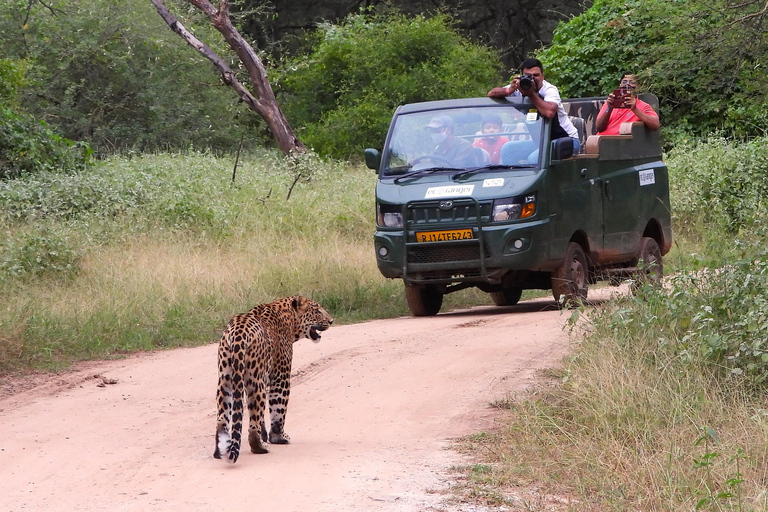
(526, 81)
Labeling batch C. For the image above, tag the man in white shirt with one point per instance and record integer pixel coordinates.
(545, 97)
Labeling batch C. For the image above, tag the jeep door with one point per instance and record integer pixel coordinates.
(623, 210)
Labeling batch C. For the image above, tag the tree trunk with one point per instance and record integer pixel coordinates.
(263, 102)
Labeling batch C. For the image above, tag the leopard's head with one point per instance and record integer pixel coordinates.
(312, 318)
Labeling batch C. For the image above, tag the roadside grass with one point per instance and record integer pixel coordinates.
(159, 251)
(628, 423)
(662, 404)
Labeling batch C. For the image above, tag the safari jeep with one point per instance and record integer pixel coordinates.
(535, 215)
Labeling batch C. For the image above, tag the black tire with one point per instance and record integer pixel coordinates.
(651, 267)
(570, 280)
(507, 297)
(423, 300)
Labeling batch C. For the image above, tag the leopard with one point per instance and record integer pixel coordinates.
(255, 357)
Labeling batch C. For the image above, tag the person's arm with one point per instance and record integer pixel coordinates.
(547, 109)
(547, 103)
(499, 92)
(649, 119)
(503, 92)
(601, 123)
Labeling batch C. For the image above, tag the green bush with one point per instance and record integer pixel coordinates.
(720, 185)
(341, 95)
(11, 80)
(702, 59)
(38, 254)
(113, 74)
(715, 319)
(29, 146)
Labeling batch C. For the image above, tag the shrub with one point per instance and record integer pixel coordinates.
(702, 59)
(29, 146)
(718, 184)
(114, 75)
(38, 254)
(341, 95)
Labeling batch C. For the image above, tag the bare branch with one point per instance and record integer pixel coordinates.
(753, 15)
(263, 102)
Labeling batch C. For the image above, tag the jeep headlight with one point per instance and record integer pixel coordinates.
(389, 215)
(513, 208)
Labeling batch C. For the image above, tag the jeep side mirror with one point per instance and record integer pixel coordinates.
(562, 148)
(372, 159)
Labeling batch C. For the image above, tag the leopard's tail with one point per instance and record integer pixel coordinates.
(231, 392)
(228, 445)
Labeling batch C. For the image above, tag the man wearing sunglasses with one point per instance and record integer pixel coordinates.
(625, 109)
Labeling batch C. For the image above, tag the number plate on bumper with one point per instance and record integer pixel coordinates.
(444, 236)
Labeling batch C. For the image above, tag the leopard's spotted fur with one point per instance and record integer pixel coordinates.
(255, 354)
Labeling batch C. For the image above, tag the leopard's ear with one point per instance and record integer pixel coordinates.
(299, 303)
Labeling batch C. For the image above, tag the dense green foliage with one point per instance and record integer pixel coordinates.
(514, 29)
(703, 60)
(341, 96)
(721, 184)
(719, 198)
(29, 146)
(114, 75)
(11, 80)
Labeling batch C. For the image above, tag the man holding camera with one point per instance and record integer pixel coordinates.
(545, 97)
(623, 106)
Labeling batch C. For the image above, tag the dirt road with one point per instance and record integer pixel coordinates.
(373, 409)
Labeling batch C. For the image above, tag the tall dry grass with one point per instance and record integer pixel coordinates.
(159, 251)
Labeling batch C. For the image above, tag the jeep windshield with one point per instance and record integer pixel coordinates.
(462, 140)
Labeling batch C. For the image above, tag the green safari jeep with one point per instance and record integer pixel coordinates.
(516, 210)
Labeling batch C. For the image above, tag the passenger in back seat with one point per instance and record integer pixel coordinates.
(492, 144)
(610, 119)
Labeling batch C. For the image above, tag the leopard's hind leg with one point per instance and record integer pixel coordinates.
(279, 393)
(256, 388)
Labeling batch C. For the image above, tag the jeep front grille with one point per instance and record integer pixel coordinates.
(445, 252)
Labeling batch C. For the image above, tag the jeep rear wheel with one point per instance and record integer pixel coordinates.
(569, 280)
(423, 300)
(507, 297)
(651, 268)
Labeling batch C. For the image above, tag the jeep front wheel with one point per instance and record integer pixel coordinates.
(569, 280)
(423, 300)
(507, 296)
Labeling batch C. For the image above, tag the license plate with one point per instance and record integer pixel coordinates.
(444, 236)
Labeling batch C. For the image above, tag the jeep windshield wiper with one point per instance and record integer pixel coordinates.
(491, 168)
(428, 170)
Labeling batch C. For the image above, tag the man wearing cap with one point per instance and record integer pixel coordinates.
(610, 119)
(459, 152)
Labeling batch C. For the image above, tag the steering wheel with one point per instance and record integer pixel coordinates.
(434, 158)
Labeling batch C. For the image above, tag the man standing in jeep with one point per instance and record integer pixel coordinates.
(545, 97)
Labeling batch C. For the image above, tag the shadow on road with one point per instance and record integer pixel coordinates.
(528, 306)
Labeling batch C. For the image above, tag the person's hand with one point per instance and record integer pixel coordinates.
(609, 100)
(528, 92)
(630, 102)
